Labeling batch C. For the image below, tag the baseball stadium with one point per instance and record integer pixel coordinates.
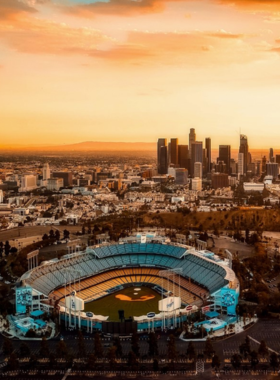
(144, 282)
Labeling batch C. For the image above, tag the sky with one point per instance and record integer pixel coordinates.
(137, 70)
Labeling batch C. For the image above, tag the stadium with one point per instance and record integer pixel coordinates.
(142, 283)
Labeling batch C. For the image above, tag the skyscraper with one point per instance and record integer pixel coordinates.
(197, 170)
(192, 138)
(208, 154)
(243, 148)
(163, 163)
(162, 143)
(183, 153)
(197, 154)
(271, 155)
(46, 171)
(225, 155)
(174, 151)
(240, 163)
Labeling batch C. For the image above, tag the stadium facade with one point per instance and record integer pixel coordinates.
(199, 278)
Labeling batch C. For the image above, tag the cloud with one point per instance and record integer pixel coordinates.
(12, 8)
(118, 7)
(253, 5)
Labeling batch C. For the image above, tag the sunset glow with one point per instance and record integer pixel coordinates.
(124, 70)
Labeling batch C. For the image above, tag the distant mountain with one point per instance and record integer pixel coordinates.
(95, 146)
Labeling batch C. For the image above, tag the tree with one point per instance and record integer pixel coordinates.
(209, 350)
(191, 353)
(236, 361)
(98, 349)
(263, 350)
(57, 234)
(117, 344)
(51, 234)
(24, 350)
(61, 349)
(132, 360)
(1, 248)
(81, 345)
(45, 237)
(13, 363)
(216, 362)
(7, 248)
(83, 230)
(44, 348)
(91, 361)
(171, 348)
(7, 346)
(274, 361)
(153, 344)
(111, 356)
(135, 344)
(66, 234)
(254, 359)
(155, 365)
(245, 348)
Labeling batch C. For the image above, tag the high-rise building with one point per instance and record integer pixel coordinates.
(197, 184)
(263, 164)
(233, 166)
(240, 163)
(272, 169)
(67, 177)
(183, 155)
(271, 155)
(197, 170)
(192, 139)
(243, 148)
(277, 158)
(197, 154)
(219, 180)
(181, 176)
(46, 171)
(220, 167)
(225, 155)
(174, 151)
(162, 158)
(1, 196)
(28, 182)
(208, 154)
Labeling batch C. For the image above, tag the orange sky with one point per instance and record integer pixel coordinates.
(126, 70)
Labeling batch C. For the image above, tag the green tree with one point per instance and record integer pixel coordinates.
(51, 234)
(91, 361)
(81, 345)
(209, 350)
(13, 363)
(61, 349)
(274, 361)
(57, 234)
(7, 346)
(245, 348)
(24, 350)
(132, 361)
(236, 361)
(171, 348)
(153, 344)
(98, 349)
(111, 356)
(135, 344)
(155, 365)
(191, 353)
(254, 360)
(44, 348)
(263, 350)
(216, 362)
(118, 345)
(7, 248)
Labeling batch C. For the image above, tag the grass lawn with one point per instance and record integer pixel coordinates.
(109, 305)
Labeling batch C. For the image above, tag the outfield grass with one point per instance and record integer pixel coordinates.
(109, 305)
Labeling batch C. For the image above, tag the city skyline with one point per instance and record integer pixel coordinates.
(80, 70)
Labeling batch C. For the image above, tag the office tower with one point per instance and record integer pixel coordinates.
(196, 154)
(1, 196)
(263, 164)
(272, 169)
(252, 168)
(208, 154)
(240, 163)
(197, 184)
(243, 148)
(28, 182)
(219, 180)
(233, 166)
(67, 177)
(197, 170)
(221, 167)
(277, 158)
(183, 155)
(162, 159)
(174, 151)
(271, 155)
(192, 138)
(46, 171)
(258, 167)
(225, 156)
(181, 176)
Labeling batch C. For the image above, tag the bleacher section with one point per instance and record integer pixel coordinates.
(97, 286)
(101, 259)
